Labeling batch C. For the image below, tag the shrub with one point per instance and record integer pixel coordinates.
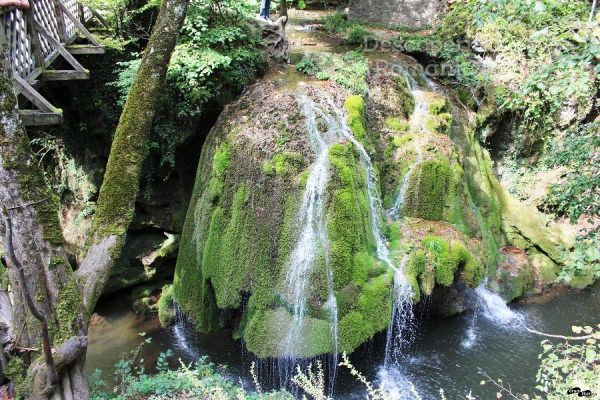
(337, 22)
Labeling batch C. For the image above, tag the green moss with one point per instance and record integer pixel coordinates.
(67, 311)
(396, 124)
(415, 271)
(166, 306)
(16, 372)
(17, 155)
(55, 261)
(266, 332)
(427, 194)
(354, 330)
(355, 106)
(375, 302)
(220, 165)
(3, 274)
(269, 168)
(441, 123)
(348, 213)
(450, 257)
(286, 164)
(438, 105)
(347, 298)
(303, 179)
(406, 100)
(401, 141)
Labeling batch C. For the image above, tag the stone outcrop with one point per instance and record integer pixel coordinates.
(411, 13)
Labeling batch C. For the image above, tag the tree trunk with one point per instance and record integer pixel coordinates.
(283, 8)
(66, 298)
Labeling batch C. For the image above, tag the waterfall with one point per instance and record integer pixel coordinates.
(402, 314)
(417, 124)
(495, 309)
(312, 240)
(395, 211)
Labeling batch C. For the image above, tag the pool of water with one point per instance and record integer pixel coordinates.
(451, 353)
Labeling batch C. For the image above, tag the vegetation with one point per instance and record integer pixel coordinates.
(201, 379)
(349, 70)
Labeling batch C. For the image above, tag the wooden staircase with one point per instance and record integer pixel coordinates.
(34, 39)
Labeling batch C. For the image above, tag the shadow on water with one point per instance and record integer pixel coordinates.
(449, 353)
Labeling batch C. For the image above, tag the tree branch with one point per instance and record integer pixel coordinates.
(586, 337)
(51, 374)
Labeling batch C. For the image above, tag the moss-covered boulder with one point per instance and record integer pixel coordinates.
(246, 217)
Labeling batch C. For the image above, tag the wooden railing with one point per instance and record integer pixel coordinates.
(34, 39)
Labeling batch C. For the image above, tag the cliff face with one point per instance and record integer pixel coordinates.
(410, 13)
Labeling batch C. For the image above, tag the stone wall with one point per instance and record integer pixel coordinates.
(412, 13)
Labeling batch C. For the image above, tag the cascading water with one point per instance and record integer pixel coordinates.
(495, 309)
(313, 240)
(402, 314)
(417, 124)
(313, 236)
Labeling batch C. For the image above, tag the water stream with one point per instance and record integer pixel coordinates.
(312, 240)
(417, 125)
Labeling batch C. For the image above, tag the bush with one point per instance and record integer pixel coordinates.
(358, 35)
(336, 23)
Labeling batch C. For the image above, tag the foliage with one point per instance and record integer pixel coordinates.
(359, 35)
(199, 380)
(583, 262)
(216, 58)
(308, 66)
(542, 64)
(579, 194)
(337, 22)
(567, 365)
(349, 70)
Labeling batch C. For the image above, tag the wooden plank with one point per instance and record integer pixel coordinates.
(78, 24)
(64, 75)
(39, 118)
(33, 95)
(58, 46)
(85, 49)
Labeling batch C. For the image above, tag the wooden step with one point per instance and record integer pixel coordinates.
(85, 49)
(64, 75)
(40, 118)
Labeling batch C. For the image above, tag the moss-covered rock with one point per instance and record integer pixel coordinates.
(166, 306)
(243, 223)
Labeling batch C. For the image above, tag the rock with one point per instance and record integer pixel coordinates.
(449, 301)
(414, 14)
(145, 298)
(275, 39)
(514, 276)
(147, 256)
(166, 306)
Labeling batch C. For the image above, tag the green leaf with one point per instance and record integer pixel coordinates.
(590, 355)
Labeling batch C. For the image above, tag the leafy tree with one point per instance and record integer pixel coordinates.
(51, 304)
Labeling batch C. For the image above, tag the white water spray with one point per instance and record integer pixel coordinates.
(495, 309)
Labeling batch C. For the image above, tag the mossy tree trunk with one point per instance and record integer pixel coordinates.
(66, 298)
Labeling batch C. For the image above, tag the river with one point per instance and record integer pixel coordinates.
(449, 353)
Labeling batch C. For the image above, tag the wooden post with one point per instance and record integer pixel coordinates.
(60, 19)
(35, 39)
